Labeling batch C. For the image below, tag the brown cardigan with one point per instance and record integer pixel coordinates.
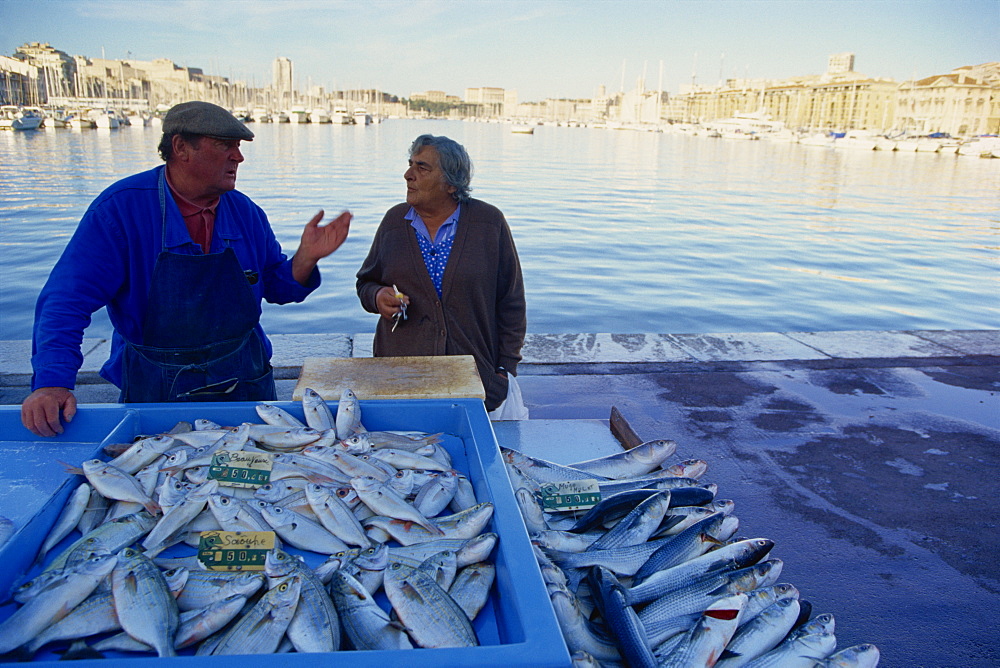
(481, 311)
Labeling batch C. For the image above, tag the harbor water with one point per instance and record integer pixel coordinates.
(618, 231)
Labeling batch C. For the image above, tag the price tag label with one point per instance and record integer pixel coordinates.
(570, 495)
(234, 550)
(241, 469)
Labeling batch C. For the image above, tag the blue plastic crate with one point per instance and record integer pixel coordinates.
(517, 627)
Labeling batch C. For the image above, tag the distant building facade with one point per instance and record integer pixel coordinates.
(282, 82)
(965, 101)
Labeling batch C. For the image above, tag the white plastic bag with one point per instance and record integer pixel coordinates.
(513, 407)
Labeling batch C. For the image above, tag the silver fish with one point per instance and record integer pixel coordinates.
(109, 537)
(801, 652)
(638, 525)
(441, 567)
(543, 471)
(336, 516)
(761, 634)
(317, 412)
(365, 623)
(170, 527)
(431, 617)
(204, 588)
(702, 592)
(146, 608)
(261, 629)
(301, 532)
(435, 496)
(640, 460)
(465, 495)
(68, 519)
(235, 515)
(727, 558)
(348, 417)
(196, 625)
(382, 500)
(283, 438)
(277, 416)
(94, 615)
(70, 588)
(116, 484)
(467, 524)
(576, 629)
(143, 452)
(705, 642)
(315, 625)
(401, 459)
(858, 656)
(471, 587)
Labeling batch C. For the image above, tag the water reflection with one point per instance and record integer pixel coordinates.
(618, 231)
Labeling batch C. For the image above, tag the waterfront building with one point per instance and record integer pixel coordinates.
(19, 82)
(488, 102)
(282, 82)
(57, 69)
(965, 101)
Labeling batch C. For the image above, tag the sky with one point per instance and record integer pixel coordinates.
(541, 48)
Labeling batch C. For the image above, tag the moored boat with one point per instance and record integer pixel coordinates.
(822, 139)
(105, 119)
(17, 118)
(319, 115)
(340, 115)
(981, 147)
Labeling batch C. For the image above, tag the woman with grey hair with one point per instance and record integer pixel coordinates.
(443, 272)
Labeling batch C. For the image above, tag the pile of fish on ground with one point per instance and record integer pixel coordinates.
(651, 575)
(386, 509)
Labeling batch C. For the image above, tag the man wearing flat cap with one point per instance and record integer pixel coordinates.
(181, 260)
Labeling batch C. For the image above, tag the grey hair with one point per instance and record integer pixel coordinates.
(455, 162)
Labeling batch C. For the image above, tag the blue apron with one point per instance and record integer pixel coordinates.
(200, 340)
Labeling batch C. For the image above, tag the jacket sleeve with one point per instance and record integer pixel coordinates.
(510, 309)
(369, 276)
(90, 272)
(279, 285)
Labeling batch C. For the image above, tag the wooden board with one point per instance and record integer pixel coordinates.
(441, 377)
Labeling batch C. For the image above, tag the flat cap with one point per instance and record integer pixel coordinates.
(205, 118)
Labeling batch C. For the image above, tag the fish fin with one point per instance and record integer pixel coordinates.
(80, 650)
(70, 468)
(729, 654)
(153, 507)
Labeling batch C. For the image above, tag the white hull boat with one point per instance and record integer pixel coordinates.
(319, 115)
(15, 118)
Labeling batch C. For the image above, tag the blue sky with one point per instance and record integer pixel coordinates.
(541, 48)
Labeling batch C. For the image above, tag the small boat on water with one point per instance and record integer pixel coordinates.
(105, 119)
(981, 147)
(79, 119)
(523, 129)
(340, 115)
(361, 116)
(822, 139)
(319, 115)
(856, 139)
(298, 115)
(18, 118)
